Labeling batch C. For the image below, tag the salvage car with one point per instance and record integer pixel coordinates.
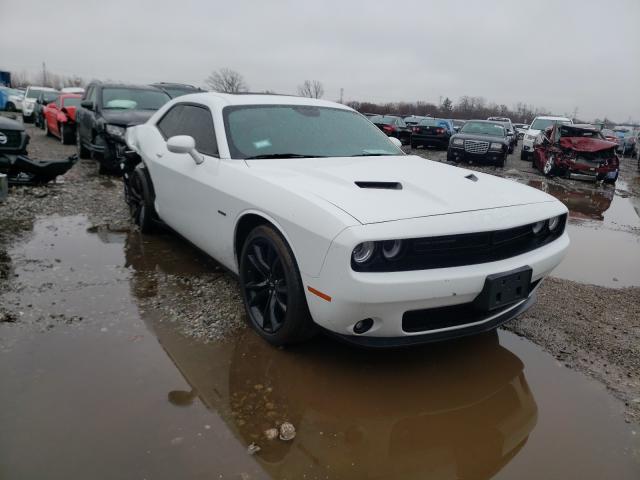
(329, 225)
(521, 129)
(511, 131)
(29, 101)
(17, 166)
(576, 151)
(480, 141)
(13, 100)
(60, 118)
(432, 132)
(535, 129)
(44, 99)
(105, 113)
(393, 126)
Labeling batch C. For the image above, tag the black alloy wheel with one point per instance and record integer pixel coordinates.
(272, 289)
(140, 200)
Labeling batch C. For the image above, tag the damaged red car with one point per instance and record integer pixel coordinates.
(60, 117)
(576, 151)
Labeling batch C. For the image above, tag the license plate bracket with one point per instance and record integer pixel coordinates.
(501, 289)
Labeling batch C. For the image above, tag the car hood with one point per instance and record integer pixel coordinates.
(428, 188)
(9, 124)
(582, 144)
(127, 118)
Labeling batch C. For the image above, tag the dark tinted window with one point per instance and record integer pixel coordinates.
(193, 121)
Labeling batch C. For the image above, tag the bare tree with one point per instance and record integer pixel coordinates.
(311, 89)
(226, 81)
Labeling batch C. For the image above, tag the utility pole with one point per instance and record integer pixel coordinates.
(44, 75)
(575, 113)
(341, 95)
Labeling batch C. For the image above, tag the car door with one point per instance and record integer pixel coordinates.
(185, 191)
(52, 117)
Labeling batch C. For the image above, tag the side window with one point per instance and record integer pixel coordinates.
(169, 124)
(192, 120)
(91, 95)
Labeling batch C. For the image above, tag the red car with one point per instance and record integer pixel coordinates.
(60, 117)
(578, 151)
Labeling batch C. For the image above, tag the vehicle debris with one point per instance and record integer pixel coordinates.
(253, 448)
(287, 431)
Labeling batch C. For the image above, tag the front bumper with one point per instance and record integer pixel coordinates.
(386, 297)
(460, 154)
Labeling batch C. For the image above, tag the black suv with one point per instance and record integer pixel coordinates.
(105, 113)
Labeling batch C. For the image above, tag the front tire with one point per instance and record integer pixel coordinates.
(549, 167)
(47, 133)
(272, 289)
(140, 198)
(523, 155)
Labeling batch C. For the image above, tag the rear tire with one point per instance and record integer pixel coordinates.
(47, 133)
(66, 134)
(10, 107)
(272, 289)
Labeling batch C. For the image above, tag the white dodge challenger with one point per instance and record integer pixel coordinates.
(329, 225)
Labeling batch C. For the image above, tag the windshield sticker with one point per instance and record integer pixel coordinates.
(262, 144)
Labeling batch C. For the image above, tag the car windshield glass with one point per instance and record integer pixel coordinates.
(33, 93)
(483, 128)
(71, 102)
(568, 131)
(271, 131)
(133, 99)
(50, 97)
(543, 123)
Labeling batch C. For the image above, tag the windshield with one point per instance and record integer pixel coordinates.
(543, 123)
(271, 131)
(483, 128)
(133, 99)
(50, 97)
(71, 102)
(33, 92)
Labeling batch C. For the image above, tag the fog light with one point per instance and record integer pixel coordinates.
(363, 326)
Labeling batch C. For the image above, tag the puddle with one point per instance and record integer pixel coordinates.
(604, 226)
(117, 393)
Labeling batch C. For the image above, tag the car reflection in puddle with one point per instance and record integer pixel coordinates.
(400, 414)
(583, 203)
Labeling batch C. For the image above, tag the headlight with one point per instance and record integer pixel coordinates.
(531, 137)
(363, 252)
(116, 131)
(538, 226)
(553, 223)
(391, 249)
(496, 146)
(457, 141)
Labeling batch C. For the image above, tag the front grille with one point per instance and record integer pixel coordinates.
(452, 316)
(14, 139)
(464, 249)
(476, 146)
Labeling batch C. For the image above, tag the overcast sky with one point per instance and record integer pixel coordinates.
(554, 54)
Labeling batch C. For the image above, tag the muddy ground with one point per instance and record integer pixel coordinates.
(592, 328)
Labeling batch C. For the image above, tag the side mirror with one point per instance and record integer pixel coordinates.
(88, 104)
(184, 144)
(396, 142)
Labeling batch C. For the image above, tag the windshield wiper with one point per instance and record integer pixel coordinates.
(282, 155)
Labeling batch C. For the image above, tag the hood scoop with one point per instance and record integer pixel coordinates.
(380, 185)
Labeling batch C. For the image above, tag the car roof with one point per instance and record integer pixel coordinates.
(124, 85)
(46, 89)
(228, 99)
(544, 117)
